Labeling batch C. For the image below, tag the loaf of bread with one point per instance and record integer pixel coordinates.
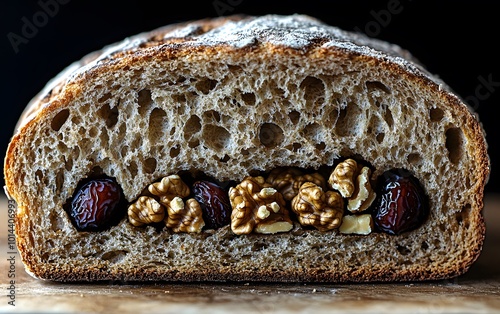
(299, 125)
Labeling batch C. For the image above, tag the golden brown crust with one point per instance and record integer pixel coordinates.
(154, 46)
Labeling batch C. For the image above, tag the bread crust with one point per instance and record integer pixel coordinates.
(157, 46)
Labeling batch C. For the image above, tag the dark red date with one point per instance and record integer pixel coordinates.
(214, 202)
(401, 204)
(94, 203)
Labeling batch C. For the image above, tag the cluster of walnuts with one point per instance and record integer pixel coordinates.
(262, 205)
(321, 204)
(165, 203)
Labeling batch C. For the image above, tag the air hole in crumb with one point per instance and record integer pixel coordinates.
(157, 124)
(201, 161)
(293, 147)
(436, 242)
(68, 164)
(321, 146)
(294, 116)
(235, 69)
(181, 110)
(411, 102)
(424, 246)
(248, 98)
(468, 183)
(403, 250)
(312, 131)
(110, 115)
(194, 143)
(93, 132)
(259, 246)
(59, 119)
(348, 120)
(414, 158)
(436, 114)
(105, 97)
(211, 116)
(454, 143)
(45, 257)
(225, 159)
(314, 89)
(216, 137)
(174, 151)
(388, 117)
(122, 130)
(144, 100)
(104, 137)
(124, 151)
(242, 127)
(442, 227)
(138, 73)
(270, 135)
(39, 175)
(192, 126)
(206, 85)
(75, 153)
(181, 79)
(179, 98)
(76, 120)
(59, 180)
(380, 137)
(461, 216)
(149, 165)
(132, 168)
(114, 256)
(371, 85)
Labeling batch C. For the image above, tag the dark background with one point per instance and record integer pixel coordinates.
(454, 39)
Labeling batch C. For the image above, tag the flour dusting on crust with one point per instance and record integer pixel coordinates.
(294, 31)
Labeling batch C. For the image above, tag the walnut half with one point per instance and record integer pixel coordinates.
(322, 210)
(184, 217)
(168, 188)
(352, 180)
(166, 203)
(363, 195)
(342, 177)
(258, 207)
(145, 210)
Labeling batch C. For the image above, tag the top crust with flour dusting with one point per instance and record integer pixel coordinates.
(200, 96)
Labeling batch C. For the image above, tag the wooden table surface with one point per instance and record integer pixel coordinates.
(478, 291)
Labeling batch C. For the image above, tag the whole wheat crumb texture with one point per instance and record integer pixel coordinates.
(232, 97)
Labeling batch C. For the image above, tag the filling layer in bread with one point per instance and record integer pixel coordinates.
(344, 197)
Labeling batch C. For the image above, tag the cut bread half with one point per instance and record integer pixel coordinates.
(232, 99)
